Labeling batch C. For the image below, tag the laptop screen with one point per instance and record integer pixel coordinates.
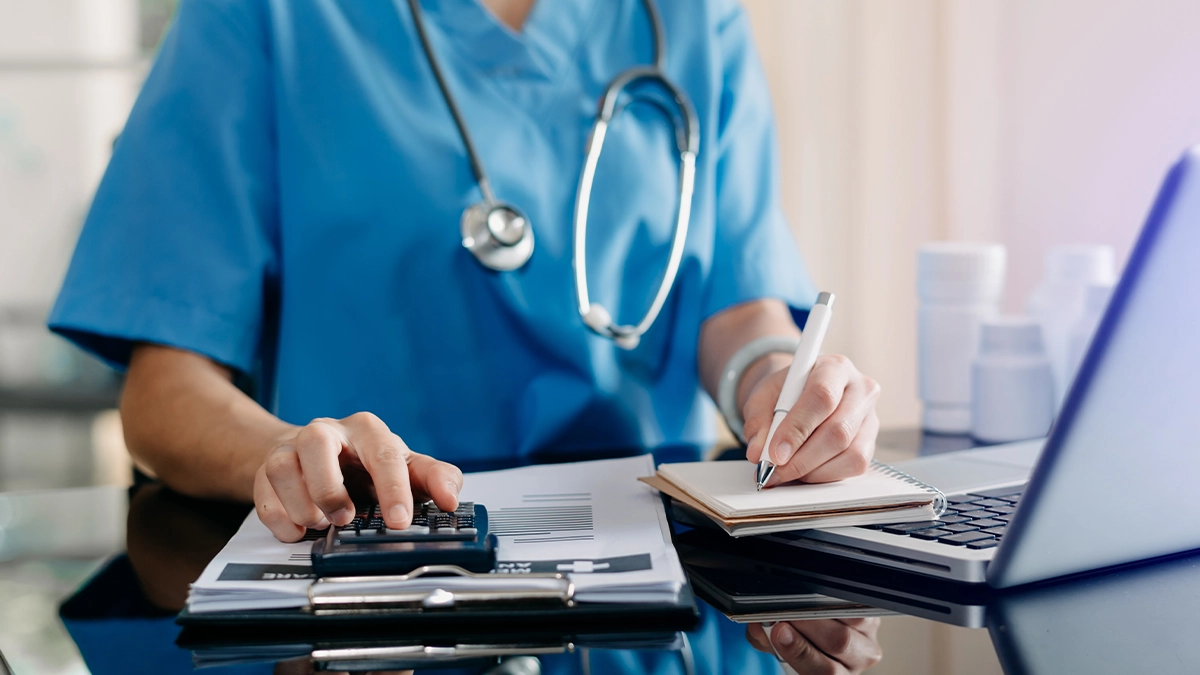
(1120, 474)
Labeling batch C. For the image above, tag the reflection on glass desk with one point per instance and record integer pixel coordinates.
(1139, 619)
(117, 609)
(129, 608)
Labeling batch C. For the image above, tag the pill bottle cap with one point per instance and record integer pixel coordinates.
(962, 271)
(1015, 335)
(1080, 264)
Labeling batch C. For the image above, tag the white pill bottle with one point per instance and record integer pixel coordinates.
(1061, 297)
(959, 284)
(1012, 384)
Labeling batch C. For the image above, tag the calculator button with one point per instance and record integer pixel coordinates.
(415, 530)
(468, 530)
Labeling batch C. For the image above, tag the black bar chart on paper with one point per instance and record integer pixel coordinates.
(545, 517)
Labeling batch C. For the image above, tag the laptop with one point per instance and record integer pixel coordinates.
(1118, 478)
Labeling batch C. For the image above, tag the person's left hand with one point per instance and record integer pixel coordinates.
(828, 435)
(835, 646)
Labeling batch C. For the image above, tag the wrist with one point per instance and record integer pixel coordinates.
(737, 382)
(757, 371)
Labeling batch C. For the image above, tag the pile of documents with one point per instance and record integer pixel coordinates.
(590, 520)
(720, 493)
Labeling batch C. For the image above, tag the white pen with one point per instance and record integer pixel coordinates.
(802, 364)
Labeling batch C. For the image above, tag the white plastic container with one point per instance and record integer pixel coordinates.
(1012, 387)
(1059, 300)
(958, 285)
(1095, 301)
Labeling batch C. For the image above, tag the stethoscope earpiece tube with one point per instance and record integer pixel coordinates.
(628, 337)
(500, 235)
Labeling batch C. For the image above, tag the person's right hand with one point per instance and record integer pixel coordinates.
(834, 646)
(303, 482)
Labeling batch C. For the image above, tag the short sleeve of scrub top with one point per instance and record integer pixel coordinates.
(754, 255)
(179, 245)
(288, 187)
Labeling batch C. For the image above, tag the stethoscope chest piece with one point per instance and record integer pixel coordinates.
(498, 234)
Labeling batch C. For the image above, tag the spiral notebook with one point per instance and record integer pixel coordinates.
(725, 493)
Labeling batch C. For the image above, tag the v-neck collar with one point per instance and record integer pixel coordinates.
(546, 45)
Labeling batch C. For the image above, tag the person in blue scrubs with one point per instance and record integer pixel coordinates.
(282, 209)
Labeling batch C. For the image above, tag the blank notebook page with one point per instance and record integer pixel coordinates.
(728, 488)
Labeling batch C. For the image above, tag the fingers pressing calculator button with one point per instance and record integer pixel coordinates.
(436, 537)
(412, 530)
(429, 524)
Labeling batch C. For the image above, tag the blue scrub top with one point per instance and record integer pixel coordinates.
(285, 199)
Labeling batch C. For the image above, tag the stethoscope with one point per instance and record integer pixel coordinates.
(500, 235)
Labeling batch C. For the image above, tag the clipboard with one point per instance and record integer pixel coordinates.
(356, 654)
(447, 600)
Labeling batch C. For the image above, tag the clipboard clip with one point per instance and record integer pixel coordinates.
(403, 657)
(438, 588)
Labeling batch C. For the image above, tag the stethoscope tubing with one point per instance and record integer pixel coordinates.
(477, 168)
(687, 142)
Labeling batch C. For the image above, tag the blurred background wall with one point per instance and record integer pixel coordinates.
(1030, 122)
(69, 72)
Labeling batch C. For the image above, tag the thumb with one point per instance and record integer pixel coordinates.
(758, 411)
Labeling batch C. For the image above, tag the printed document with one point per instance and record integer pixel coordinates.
(590, 520)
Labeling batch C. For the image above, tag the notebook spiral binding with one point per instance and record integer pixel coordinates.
(939, 497)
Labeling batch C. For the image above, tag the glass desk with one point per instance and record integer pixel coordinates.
(92, 580)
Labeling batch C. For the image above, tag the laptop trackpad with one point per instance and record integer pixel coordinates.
(973, 469)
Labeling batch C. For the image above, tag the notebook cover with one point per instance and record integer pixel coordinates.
(671, 490)
(731, 495)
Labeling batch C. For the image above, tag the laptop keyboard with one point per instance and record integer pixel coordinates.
(976, 520)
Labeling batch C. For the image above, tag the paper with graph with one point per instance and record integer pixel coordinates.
(592, 520)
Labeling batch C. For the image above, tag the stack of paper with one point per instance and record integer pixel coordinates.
(254, 571)
(590, 520)
(726, 494)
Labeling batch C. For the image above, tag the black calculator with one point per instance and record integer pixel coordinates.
(367, 547)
